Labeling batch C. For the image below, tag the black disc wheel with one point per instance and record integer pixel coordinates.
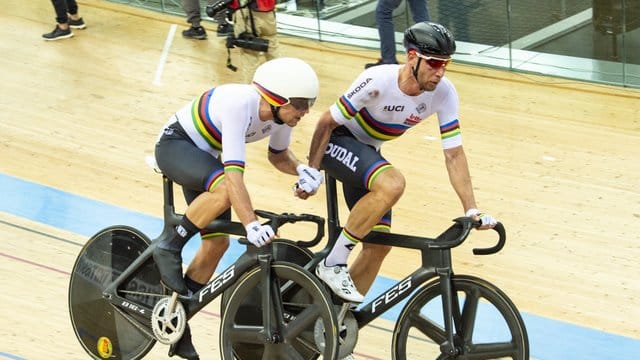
(103, 331)
(298, 302)
(283, 250)
(487, 325)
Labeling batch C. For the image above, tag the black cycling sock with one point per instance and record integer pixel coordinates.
(181, 234)
(192, 285)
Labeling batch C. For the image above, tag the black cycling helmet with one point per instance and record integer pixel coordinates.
(430, 38)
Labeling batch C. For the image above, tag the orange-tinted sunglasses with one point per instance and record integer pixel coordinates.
(434, 62)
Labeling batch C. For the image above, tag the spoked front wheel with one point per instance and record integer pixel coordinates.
(488, 324)
(297, 309)
(103, 331)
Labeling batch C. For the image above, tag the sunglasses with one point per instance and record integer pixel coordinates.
(301, 104)
(435, 63)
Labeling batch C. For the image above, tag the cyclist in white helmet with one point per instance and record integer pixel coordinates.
(202, 148)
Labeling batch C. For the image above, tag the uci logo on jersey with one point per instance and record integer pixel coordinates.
(393, 108)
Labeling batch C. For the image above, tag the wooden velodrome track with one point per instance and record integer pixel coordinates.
(555, 160)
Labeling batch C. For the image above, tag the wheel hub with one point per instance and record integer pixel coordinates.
(348, 335)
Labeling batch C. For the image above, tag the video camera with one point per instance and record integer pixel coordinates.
(213, 9)
(247, 40)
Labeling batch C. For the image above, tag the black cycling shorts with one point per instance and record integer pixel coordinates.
(355, 165)
(185, 164)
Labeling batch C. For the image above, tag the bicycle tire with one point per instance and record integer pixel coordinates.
(102, 331)
(283, 250)
(490, 326)
(241, 325)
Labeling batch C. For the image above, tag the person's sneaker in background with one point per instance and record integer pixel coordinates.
(77, 24)
(225, 29)
(197, 33)
(380, 62)
(57, 34)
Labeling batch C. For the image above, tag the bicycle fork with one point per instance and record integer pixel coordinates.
(450, 304)
(271, 302)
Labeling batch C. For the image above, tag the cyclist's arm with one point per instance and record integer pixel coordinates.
(234, 120)
(284, 161)
(239, 196)
(320, 138)
(458, 169)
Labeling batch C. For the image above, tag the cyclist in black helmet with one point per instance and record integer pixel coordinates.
(380, 105)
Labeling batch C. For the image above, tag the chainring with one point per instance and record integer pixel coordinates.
(167, 326)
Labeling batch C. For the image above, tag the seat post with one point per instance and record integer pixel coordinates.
(333, 217)
(167, 189)
(171, 219)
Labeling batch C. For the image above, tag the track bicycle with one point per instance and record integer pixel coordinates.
(119, 308)
(446, 316)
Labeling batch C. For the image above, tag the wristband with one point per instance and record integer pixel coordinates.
(471, 212)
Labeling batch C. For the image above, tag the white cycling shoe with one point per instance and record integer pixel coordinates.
(338, 279)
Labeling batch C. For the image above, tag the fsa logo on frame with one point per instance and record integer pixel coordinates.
(392, 294)
(214, 285)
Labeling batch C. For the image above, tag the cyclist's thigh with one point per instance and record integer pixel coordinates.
(190, 195)
(184, 163)
(351, 196)
(354, 164)
(351, 161)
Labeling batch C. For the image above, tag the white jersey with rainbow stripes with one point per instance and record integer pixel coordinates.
(375, 110)
(226, 117)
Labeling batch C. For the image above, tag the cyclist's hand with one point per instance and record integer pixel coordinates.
(309, 179)
(258, 234)
(486, 220)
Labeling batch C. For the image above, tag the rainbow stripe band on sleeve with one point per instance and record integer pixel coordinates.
(234, 165)
(203, 122)
(450, 129)
(345, 107)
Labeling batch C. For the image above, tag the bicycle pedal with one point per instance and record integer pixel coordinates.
(168, 320)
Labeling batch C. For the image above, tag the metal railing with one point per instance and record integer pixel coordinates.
(589, 40)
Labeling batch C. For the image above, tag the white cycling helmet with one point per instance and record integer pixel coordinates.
(280, 80)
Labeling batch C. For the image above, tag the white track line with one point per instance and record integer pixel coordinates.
(165, 53)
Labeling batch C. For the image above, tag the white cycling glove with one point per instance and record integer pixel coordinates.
(485, 219)
(309, 179)
(258, 234)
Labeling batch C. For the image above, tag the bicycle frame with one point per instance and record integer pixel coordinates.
(253, 256)
(436, 262)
